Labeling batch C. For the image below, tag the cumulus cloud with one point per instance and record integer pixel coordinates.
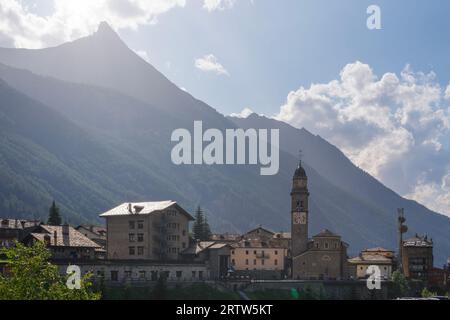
(245, 113)
(396, 127)
(209, 63)
(72, 19)
(212, 5)
(447, 92)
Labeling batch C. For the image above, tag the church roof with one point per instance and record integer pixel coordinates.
(300, 172)
(326, 233)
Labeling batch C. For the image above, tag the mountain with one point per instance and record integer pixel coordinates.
(103, 138)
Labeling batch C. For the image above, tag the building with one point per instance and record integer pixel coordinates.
(64, 242)
(215, 254)
(417, 256)
(261, 259)
(380, 257)
(325, 255)
(14, 230)
(157, 231)
(95, 233)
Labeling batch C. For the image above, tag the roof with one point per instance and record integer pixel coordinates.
(370, 259)
(66, 236)
(143, 208)
(300, 172)
(378, 249)
(282, 235)
(257, 244)
(326, 233)
(100, 231)
(17, 224)
(226, 237)
(418, 241)
(198, 247)
(260, 228)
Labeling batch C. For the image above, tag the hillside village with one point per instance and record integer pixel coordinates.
(142, 242)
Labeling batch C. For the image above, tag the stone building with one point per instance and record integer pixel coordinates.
(325, 255)
(15, 230)
(64, 242)
(380, 257)
(95, 233)
(261, 259)
(417, 257)
(157, 231)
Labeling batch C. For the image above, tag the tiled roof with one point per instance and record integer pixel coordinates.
(226, 237)
(66, 236)
(256, 244)
(378, 249)
(326, 233)
(140, 208)
(100, 231)
(368, 259)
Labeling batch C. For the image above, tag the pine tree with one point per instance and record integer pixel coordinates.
(198, 225)
(54, 218)
(206, 230)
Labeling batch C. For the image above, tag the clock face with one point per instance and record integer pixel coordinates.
(299, 218)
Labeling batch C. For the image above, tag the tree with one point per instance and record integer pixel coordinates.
(427, 293)
(54, 218)
(201, 229)
(31, 277)
(400, 284)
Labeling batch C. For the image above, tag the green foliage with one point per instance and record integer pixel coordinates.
(400, 284)
(201, 228)
(32, 277)
(427, 293)
(54, 218)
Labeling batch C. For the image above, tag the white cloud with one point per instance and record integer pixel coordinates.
(447, 92)
(209, 63)
(72, 19)
(212, 5)
(396, 127)
(245, 113)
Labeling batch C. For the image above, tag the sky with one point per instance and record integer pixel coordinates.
(381, 96)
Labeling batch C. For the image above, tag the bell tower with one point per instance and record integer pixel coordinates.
(299, 211)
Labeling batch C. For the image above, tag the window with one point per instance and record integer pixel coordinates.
(132, 251)
(276, 252)
(140, 224)
(183, 245)
(254, 262)
(233, 262)
(114, 275)
(275, 262)
(131, 237)
(246, 252)
(179, 274)
(154, 275)
(142, 275)
(326, 245)
(140, 237)
(200, 275)
(254, 252)
(317, 245)
(194, 274)
(140, 251)
(100, 274)
(262, 261)
(246, 262)
(232, 252)
(131, 224)
(128, 274)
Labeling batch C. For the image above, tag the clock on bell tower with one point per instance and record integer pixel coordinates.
(299, 211)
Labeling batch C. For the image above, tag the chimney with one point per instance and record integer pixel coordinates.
(55, 237)
(23, 224)
(130, 210)
(91, 228)
(65, 229)
(47, 240)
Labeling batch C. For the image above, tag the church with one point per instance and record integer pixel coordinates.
(322, 257)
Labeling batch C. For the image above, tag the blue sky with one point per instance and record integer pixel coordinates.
(381, 96)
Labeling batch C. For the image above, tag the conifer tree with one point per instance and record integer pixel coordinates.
(198, 225)
(54, 218)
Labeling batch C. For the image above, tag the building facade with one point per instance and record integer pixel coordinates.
(12, 230)
(417, 257)
(157, 231)
(380, 257)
